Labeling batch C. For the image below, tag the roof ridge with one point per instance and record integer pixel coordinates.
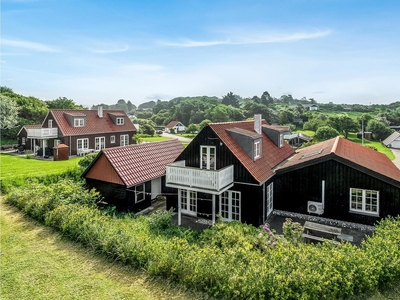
(335, 145)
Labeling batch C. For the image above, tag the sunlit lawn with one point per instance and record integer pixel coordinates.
(156, 138)
(12, 166)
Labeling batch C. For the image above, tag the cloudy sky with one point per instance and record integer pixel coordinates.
(101, 51)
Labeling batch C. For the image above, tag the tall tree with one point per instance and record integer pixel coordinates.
(266, 99)
(62, 103)
(231, 99)
(8, 113)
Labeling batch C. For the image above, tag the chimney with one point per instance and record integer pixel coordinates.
(257, 123)
(100, 111)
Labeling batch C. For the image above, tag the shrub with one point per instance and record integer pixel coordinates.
(87, 160)
(326, 133)
(292, 231)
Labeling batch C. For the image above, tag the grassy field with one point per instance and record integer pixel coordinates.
(15, 166)
(37, 263)
(157, 138)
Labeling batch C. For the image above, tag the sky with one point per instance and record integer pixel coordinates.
(100, 51)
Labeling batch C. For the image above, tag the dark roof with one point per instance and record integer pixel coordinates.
(347, 152)
(94, 124)
(261, 169)
(278, 127)
(139, 163)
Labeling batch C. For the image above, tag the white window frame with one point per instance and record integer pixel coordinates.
(124, 140)
(360, 197)
(50, 123)
(209, 159)
(269, 200)
(112, 139)
(189, 202)
(281, 140)
(23, 142)
(84, 144)
(79, 122)
(230, 206)
(140, 192)
(257, 149)
(57, 142)
(120, 121)
(99, 143)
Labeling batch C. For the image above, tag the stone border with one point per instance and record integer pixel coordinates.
(338, 223)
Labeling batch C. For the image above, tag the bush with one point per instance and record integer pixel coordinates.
(326, 133)
(87, 160)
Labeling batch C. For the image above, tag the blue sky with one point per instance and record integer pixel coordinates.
(101, 51)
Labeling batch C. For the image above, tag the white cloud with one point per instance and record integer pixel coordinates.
(28, 45)
(112, 49)
(256, 37)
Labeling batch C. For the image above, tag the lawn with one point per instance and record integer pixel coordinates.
(37, 263)
(157, 138)
(15, 166)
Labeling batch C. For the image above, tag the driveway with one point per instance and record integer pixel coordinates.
(174, 136)
(396, 153)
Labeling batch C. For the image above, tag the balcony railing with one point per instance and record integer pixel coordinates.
(36, 133)
(188, 177)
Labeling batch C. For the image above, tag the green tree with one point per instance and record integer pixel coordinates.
(217, 113)
(380, 130)
(326, 133)
(266, 99)
(4, 89)
(286, 116)
(343, 123)
(147, 129)
(231, 99)
(192, 128)
(8, 113)
(62, 103)
(204, 123)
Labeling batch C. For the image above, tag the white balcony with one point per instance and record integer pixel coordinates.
(42, 133)
(209, 181)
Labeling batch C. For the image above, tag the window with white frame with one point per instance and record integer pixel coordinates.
(208, 157)
(281, 140)
(257, 149)
(124, 140)
(229, 206)
(99, 143)
(189, 202)
(50, 123)
(79, 122)
(269, 199)
(83, 144)
(112, 139)
(120, 120)
(57, 142)
(140, 192)
(364, 201)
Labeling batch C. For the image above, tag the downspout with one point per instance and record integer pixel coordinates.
(70, 146)
(323, 194)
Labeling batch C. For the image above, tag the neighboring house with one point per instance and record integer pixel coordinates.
(24, 141)
(285, 130)
(341, 180)
(177, 126)
(296, 139)
(393, 140)
(227, 169)
(84, 131)
(297, 121)
(129, 177)
(313, 107)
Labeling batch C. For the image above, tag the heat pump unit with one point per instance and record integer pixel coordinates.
(315, 208)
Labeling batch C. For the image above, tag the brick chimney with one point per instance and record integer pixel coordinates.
(100, 111)
(257, 123)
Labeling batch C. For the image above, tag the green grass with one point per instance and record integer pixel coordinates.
(37, 263)
(13, 166)
(155, 139)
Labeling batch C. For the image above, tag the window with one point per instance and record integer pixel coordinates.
(281, 140)
(79, 122)
(99, 143)
(57, 142)
(207, 157)
(229, 206)
(50, 123)
(83, 144)
(120, 121)
(23, 140)
(189, 202)
(124, 140)
(139, 192)
(364, 201)
(112, 139)
(257, 149)
(269, 199)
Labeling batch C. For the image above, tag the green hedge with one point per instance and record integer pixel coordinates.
(231, 260)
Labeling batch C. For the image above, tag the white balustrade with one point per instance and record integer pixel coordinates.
(42, 133)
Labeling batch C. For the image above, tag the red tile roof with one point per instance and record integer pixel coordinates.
(261, 169)
(94, 124)
(347, 151)
(142, 162)
(171, 124)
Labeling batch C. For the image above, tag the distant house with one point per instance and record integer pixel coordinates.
(26, 142)
(313, 107)
(297, 139)
(393, 140)
(341, 180)
(84, 131)
(130, 177)
(177, 127)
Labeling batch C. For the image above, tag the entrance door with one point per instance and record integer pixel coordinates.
(189, 202)
(100, 143)
(229, 206)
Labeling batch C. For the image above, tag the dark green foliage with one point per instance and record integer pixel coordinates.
(380, 130)
(326, 133)
(87, 160)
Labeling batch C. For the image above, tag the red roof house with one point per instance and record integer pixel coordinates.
(130, 177)
(84, 131)
(176, 126)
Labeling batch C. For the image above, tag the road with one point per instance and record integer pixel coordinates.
(174, 136)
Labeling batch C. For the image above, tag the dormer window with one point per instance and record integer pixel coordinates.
(50, 123)
(79, 122)
(257, 149)
(281, 140)
(120, 121)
